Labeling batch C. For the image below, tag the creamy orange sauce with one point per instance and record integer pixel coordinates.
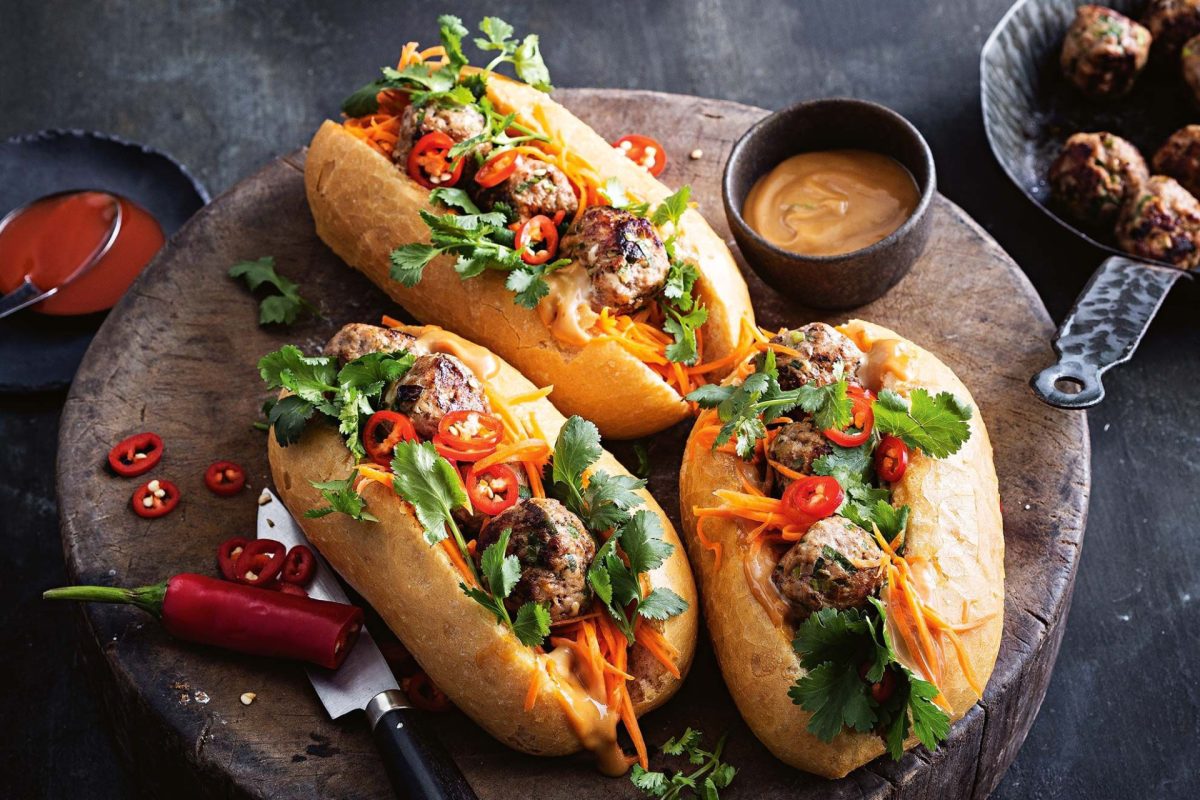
(566, 310)
(594, 724)
(831, 202)
(886, 357)
(478, 359)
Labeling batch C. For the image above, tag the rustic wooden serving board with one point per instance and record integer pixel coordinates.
(178, 357)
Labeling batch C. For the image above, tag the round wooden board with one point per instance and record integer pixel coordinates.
(178, 357)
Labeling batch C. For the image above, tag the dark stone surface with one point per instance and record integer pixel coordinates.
(225, 88)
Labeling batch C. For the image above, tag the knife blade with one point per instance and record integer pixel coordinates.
(417, 764)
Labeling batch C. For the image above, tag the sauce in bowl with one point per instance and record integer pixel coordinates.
(831, 202)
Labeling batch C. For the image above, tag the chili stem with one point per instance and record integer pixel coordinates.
(147, 598)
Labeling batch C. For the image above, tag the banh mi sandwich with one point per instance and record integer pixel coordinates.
(842, 515)
(483, 206)
(531, 576)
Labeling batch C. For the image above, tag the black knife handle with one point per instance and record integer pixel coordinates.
(416, 762)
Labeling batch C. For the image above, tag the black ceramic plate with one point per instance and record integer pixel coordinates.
(1029, 110)
(40, 352)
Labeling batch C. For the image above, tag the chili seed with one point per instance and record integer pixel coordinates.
(264, 498)
(139, 456)
(153, 485)
(148, 502)
(160, 494)
(696, 154)
(247, 698)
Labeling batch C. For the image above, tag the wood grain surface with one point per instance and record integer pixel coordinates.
(178, 357)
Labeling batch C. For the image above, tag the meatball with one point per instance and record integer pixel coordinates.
(357, 340)
(1162, 223)
(825, 354)
(555, 551)
(458, 122)
(1171, 23)
(836, 565)
(1179, 158)
(624, 258)
(1094, 175)
(533, 188)
(1103, 52)
(435, 385)
(1189, 63)
(796, 446)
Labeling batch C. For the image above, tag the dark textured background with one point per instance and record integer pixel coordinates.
(225, 87)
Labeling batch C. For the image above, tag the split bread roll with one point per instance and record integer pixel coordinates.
(414, 587)
(364, 207)
(954, 544)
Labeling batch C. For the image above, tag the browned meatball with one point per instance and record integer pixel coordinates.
(836, 565)
(796, 446)
(1179, 157)
(1162, 223)
(555, 551)
(458, 122)
(1103, 52)
(533, 188)
(357, 340)
(1094, 175)
(436, 385)
(623, 256)
(1171, 23)
(1189, 63)
(825, 354)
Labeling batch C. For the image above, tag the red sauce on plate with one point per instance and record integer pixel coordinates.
(51, 238)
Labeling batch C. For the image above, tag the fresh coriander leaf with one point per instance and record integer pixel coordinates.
(642, 453)
(851, 466)
(282, 308)
(409, 262)
(625, 586)
(662, 604)
(364, 99)
(641, 539)
(487, 601)
(653, 783)
(288, 417)
(681, 279)
(829, 404)
(528, 285)
(342, 499)
(935, 424)
(608, 498)
(723, 775)
(452, 32)
(686, 741)
(497, 31)
(375, 368)
(830, 636)
(710, 395)
(529, 66)
(430, 484)
(288, 368)
(930, 722)
(576, 449)
(683, 327)
(672, 207)
(532, 624)
(708, 790)
(501, 571)
(881, 514)
(598, 577)
(454, 198)
(837, 698)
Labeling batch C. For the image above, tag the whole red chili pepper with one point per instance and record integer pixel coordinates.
(259, 622)
(228, 553)
(298, 566)
(260, 562)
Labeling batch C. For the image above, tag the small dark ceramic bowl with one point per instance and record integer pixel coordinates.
(850, 279)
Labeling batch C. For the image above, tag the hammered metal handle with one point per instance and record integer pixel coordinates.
(1102, 330)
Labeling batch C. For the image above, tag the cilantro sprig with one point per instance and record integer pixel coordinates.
(711, 775)
(683, 316)
(286, 305)
(936, 424)
(532, 623)
(342, 499)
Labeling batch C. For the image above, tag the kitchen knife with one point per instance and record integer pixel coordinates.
(416, 762)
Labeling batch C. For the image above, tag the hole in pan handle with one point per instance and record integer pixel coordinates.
(1103, 329)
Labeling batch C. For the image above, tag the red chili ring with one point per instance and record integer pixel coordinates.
(227, 555)
(225, 478)
(298, 566)
(136, 455)
(157, 506)
(424, 694)
(260, 562)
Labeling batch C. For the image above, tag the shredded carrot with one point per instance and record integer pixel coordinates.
(374, 473)
(391, 322)
(535, 685)
(529, 397)
(456, 558)
(650, 638)
(530, 451)
(716, 548)
(514, 431)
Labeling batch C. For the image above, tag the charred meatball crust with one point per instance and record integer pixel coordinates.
(1103, 52)
(533, 188)
(358, 339)
(836, 565)
(825, 355)
(555, 551)
(624, 258)
(436, 385)
(1171, 23)
(458, 122)
(1095, 175)
(1162, 223)
(1179, 157)
(797, 445)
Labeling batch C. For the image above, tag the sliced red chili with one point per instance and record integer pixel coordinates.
(537, 230)
(429, 161)
(470, 430)
(260, 562)
(891, 459)
(227, 555)
(497, 169)
(291, 588)
(424, 694)
(811, 498)
(155, 498)
(136, 455)
(385, 430)
(455, 454)
(298, 566)
(862, 417)
(225, 478)
(883, 690)
(643, 151)
(494, 489)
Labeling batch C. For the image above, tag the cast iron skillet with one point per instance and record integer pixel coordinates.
(1029, 110)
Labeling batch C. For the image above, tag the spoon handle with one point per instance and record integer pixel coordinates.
(24, 295)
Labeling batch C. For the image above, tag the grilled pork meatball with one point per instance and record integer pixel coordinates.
(1179, 157)
(436, 385)
(823, 350)
(555, 551)
(1189, 64)
(1162, 223)
(357, 340)
(1094, 176)
(623, 256)
(1171, 23)
(796, 446)
(458, 122)
(835, 565)
(1103, 52)
(533, 188)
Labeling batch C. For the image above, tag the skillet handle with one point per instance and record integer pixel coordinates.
(1102, 330)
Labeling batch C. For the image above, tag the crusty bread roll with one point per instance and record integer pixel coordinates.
(415, 589)
(364, 207)
(954, 542)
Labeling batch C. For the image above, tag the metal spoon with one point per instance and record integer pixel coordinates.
(28, 292)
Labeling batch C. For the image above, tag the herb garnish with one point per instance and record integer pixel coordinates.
(704, 782)
(936, 424)
(532, 624)
(342, 499)
(682, 315)
(282, 308)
